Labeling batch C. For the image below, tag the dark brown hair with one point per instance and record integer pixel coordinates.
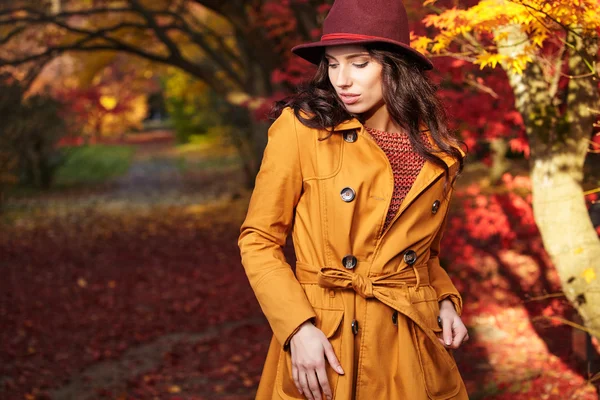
(408, 93)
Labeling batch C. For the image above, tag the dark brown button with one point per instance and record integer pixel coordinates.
(435, 206)
(395, 317)
(354, 326)
(349, 261)
(410, 257)
(348, 194)
(351, 136)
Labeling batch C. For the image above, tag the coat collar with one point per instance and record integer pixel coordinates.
(354, 123)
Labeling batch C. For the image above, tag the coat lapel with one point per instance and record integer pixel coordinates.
(429, 173)
(348, 124)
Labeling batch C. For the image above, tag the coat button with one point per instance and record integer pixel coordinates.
(435, 206)
(354, 326)
(349, 261)
(395, 317)
(351, 136)
(410, 257)
(348, 194)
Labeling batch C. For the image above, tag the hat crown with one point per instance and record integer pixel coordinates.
(380, 18)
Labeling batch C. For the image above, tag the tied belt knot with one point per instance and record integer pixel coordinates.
(337, 278)
(364, 286)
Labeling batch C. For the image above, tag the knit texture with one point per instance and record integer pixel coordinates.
(406, 164)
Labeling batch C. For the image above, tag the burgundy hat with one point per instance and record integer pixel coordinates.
(364, 21)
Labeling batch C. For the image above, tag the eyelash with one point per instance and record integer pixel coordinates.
(356, 65)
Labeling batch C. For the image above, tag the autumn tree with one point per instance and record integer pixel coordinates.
(234, 46)
(548, 50)
(104, 96)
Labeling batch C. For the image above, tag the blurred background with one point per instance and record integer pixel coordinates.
(130, 135)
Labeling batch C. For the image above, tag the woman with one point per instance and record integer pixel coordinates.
(359, 166)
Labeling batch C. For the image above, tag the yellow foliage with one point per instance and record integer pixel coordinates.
(421, 44)
(519, 62)
(182, 86)
(492, 59)
(113, 124)
(589, 275)
(108, 102)
(538, 19)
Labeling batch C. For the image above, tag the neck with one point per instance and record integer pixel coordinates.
(379, 118)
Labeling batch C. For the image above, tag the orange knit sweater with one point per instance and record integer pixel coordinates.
(406, 165)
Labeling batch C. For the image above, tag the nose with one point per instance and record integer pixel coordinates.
(343, 78)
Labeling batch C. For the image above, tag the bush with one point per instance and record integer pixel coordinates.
(193, 107)
(30, 130)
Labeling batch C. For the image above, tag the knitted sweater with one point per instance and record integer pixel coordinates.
(405, 162)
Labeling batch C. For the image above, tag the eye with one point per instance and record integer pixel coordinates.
(361, 65)
(332, 65)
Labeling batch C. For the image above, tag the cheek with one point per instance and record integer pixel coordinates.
(377, 89)
(332, 76)
(374, 88)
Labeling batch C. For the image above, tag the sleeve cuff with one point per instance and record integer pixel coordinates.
(456, 300)
(286, 345)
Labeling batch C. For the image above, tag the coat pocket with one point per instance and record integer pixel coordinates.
(328, 321)
(440, 373)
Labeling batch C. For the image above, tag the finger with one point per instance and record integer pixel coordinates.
(304, 385)
(324, 382)
(331, 358)
(295, 377)
(447, 331)
(465, 339)
(458, 338)
(313, 384)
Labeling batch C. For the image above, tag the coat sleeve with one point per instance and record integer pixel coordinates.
(438, 276)
(263, 233)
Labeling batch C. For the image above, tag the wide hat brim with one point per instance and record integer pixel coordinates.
(313, 52)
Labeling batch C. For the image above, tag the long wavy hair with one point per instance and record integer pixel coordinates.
(407, 92)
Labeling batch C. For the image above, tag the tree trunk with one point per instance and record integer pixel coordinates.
(500, 164)
(559, 146)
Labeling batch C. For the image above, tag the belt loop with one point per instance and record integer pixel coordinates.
(418, 279)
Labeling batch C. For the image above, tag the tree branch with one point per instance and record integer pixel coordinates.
(210, 32)
(11, 34)
(64, 14)
(160, 33)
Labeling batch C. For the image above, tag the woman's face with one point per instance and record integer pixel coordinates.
(356, 78)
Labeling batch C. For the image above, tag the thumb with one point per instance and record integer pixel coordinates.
(331, 357)
(447, 331)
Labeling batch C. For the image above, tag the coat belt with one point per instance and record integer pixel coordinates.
(365, 286)
(385, 288)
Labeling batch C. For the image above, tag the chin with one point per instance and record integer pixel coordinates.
(357, 108)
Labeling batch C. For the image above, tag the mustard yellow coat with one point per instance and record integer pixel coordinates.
(373, 293)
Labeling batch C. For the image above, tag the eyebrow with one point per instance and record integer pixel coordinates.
(348, 57)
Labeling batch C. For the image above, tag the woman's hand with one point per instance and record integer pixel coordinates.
(309, 347)
(454, 332)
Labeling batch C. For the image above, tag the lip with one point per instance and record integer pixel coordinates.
(349, 98)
